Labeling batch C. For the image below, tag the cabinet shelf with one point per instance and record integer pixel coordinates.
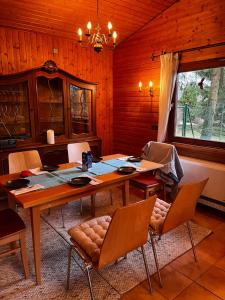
(46, 98)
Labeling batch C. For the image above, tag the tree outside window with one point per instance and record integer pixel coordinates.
(200, 109)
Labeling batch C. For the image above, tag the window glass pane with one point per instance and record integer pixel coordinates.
(80, 109)
(50, 97)
(200, 112)
(14, 111)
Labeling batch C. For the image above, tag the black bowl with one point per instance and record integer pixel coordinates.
(17, 183)
(126, 170)
(79, 181)
(134, 159)
(49, 168)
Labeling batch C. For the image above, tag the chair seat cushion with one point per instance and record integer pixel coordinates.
(90, 235)
(159, 213)
(147, 180)
(10, 222)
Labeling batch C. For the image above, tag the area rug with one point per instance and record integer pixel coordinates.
(109, 283)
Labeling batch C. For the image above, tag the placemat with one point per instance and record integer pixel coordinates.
(101, 169)
(120, 163)
(68, 174)
(46, 180)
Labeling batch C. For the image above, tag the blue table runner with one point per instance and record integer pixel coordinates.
(59, 177)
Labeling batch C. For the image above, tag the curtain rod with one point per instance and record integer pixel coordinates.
(189, 49)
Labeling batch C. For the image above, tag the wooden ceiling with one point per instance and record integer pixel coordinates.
(63, 17)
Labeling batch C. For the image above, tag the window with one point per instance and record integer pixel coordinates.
(199, 114)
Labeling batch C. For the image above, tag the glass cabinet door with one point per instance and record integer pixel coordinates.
(51, 105)
(81, 109)
(14, 111)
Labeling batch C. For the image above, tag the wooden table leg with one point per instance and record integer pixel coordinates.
(126, 193)
(11, 202)
(35, 224)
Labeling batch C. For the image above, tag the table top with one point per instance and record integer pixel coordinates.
(39, 197)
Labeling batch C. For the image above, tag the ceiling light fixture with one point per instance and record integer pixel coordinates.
(98, 39)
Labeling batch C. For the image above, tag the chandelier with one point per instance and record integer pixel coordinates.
(98, 39)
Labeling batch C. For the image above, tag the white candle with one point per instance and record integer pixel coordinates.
(50, 136)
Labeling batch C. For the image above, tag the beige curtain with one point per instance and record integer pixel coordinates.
(168, 74)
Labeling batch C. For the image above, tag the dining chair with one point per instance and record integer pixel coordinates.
(75, 155)
(12, 229)
(166, 217)
(75, 151)
(104, 240)
(24, 160)
(170, 174)
(19, 161)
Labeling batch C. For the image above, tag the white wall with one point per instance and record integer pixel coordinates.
(196, 169)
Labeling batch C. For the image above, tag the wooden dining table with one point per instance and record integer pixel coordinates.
(43, 199)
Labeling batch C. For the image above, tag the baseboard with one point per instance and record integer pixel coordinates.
(213, 203)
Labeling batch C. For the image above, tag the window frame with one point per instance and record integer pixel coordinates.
(187, 67)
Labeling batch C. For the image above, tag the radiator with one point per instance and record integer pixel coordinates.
(214, 191)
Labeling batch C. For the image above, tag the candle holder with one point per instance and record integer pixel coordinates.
(149, 88)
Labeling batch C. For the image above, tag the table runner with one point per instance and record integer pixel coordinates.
(121, 163)
(59, 177)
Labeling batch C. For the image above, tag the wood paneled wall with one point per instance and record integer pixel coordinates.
(186, 24)
(22, 50)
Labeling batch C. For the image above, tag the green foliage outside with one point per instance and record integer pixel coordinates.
(201, 104)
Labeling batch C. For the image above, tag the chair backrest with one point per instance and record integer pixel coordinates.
(165, 154)
(183, 207)
(75, 151)
(158, 152)
(127, 231)
(19, 161)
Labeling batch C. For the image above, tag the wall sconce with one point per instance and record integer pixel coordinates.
(149, 87)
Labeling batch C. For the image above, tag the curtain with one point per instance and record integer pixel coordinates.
(168, 74)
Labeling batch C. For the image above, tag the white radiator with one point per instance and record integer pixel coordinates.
(196, 169)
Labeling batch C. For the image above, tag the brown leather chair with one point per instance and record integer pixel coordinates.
(12, 229)
(166, 217)
(126, 231)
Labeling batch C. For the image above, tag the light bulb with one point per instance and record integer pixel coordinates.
(114, 38)
(150, 88)
(89, 25)
(80, 34)
(88, 33)
(109, 26)
(140, 86)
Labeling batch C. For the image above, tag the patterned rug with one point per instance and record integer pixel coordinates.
(109, 283)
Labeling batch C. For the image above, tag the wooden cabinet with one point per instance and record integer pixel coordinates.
(45, 98)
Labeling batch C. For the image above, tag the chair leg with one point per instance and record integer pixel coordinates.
(24, 254)
(68, 268)
(62, 216)
(155, 257)
(192, 242)
(146, 194)
(146, 269)
(89, 282)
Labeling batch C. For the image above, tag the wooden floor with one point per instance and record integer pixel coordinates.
(183, 279)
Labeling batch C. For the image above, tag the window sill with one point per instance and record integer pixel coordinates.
(201, 152)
